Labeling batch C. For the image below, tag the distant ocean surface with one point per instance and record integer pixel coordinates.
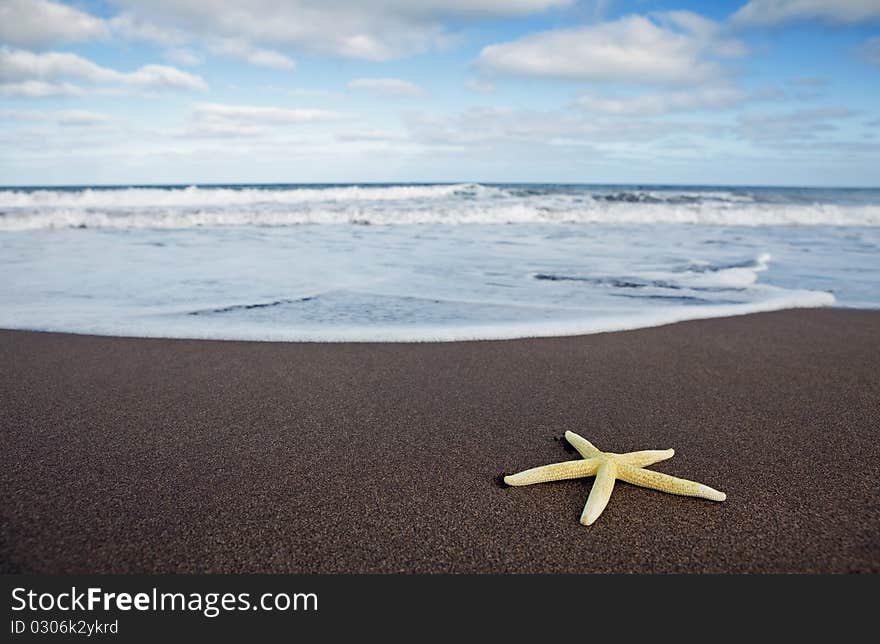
(425, 262)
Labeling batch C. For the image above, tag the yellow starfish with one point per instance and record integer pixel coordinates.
(607, 467)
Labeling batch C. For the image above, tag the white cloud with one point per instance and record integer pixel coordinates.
(269, 58)
(377, 30)
(183, 56)
(394, 87)
(40, 23)
(498, 126)
(708, 34)
(463, 8)
(20, 65)
(301, 91)
(17, 115)
(771, 12)
(369, 135)
(799, 125)
(870, 50)
(132, 27)
(262, 115)
(39, 89)
(47, 73)
(481, 87)
(64, 118)
(674, 47)
(253, 55)
(215, 130)
(137, 29)
(707, 98)
(81, 118)
(255, 123)
(159, 77)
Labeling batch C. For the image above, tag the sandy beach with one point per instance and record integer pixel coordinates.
(122, 455)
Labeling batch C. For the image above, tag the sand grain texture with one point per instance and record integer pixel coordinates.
(133, 455)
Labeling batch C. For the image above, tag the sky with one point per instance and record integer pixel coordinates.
(747, 92)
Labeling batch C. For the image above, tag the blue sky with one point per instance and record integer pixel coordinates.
(779, 92)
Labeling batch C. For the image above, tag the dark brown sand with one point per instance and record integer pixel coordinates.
(132, 455)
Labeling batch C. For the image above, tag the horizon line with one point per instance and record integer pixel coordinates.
(430, 183)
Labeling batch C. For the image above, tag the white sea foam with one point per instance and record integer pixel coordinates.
(198, 207)
(727, 277)
(502, 214)
(204, 196)
(227, 263)
(438, 333)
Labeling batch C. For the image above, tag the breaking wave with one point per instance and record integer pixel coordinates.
(466, 203)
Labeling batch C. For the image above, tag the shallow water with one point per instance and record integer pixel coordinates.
(435, 262)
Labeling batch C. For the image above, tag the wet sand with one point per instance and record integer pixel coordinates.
(139, 455)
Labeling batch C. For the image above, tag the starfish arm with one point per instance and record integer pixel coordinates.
(555, 472)
(666, 483)
(584, 447)
(645, 457)
(600, 493)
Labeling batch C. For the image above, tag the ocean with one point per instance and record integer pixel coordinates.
(427, 262)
